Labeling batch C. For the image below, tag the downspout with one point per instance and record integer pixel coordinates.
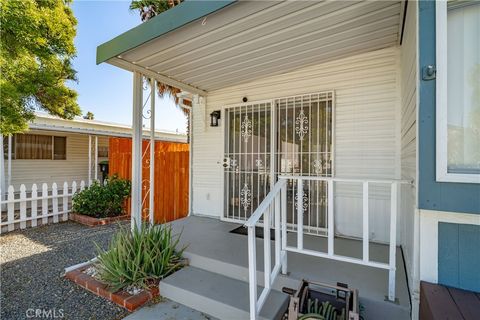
(2, 170)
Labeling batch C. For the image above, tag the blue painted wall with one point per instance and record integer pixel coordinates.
(456, 197)
(459, 255)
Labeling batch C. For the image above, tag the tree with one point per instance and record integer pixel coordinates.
(89, 116)
(149, 9)
(36, 52)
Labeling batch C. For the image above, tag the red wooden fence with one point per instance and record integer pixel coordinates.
(171, 175)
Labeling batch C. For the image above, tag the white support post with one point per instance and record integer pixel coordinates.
(252, 275)
(89, 180)
(366, 243)
(284, 228)
(300, 214)
(393, 241)
(136, 198)
(9, 164)
(273, 135)
(96, 158)
(190, 159)
(330, 221)
(277, 231)
(151, 208)
(267, 256)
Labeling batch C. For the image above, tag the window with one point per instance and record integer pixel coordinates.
(59, 148)
(33, 146)
(36, 147)
(103, 151)
(458, 91)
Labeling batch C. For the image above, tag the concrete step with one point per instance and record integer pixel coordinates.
(238, 271)
(374, 308)
(217, 295)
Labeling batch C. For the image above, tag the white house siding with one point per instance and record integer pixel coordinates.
(74, 168)
(408, 60)
(367, 133)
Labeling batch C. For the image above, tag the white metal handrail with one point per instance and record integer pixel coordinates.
(270, 204)
(330, 254)
(276, 201)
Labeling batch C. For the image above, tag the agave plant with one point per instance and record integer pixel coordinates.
(139, 257)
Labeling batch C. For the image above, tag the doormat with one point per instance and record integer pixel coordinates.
(258, 232)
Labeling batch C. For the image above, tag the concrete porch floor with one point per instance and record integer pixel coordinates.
(211, 246)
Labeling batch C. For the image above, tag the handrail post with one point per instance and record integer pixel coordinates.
(284, 227)
(393, 240)
(267, 264)
(300, 214)
(366, 243)
(330, 220)
(277, 230)
(252, 274)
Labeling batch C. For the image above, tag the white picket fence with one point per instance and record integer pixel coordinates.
(34, 205)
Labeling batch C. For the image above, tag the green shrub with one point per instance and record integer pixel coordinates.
(140, 256)
(102, 201)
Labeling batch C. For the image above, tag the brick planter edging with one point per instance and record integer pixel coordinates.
(92, 222)
(122, 298)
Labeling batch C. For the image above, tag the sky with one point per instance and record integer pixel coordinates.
(104, 89)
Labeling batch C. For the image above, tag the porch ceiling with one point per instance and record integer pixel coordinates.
(247, 40)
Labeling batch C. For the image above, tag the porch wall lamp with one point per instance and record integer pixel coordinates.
(214, 117)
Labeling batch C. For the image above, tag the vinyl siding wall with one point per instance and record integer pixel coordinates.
(408, 204)
(74, 168)
(367, 132)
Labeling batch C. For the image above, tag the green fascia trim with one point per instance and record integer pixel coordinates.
(167, 21)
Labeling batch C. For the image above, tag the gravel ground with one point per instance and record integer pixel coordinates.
(32, 262)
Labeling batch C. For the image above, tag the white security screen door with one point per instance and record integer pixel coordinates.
(304, 148)
(285, 136)
(247, 158)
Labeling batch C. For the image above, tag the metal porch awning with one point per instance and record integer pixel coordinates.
(202, 46)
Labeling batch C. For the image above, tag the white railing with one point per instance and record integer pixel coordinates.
(36, 204)
(276, 201)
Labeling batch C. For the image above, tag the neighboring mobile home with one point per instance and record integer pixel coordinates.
(44, 166)
(335, 123)
(57, 150)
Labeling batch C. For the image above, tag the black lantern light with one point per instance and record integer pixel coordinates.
(214, 117)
